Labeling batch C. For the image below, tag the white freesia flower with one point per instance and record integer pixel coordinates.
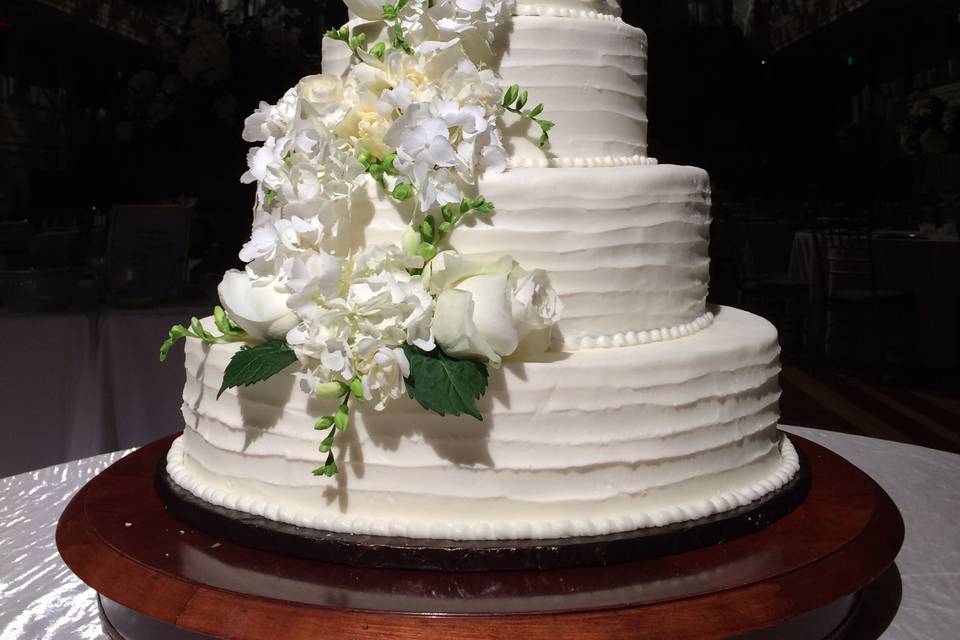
(259, 309)
(366, 9)
(384, 370)
(271, 120)
(486, 309)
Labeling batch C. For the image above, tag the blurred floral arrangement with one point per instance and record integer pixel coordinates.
(197, 63)
(932, 127)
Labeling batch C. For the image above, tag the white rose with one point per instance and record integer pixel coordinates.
(260, 310)
(489, 310)
(321, 98)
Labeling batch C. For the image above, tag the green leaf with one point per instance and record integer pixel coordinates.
(379, 50)
(537, 110)
(511, 96)
(251, 365)
(324, 423)
(486, 207)
(444, 385)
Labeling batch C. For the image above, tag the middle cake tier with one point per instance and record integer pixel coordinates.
(626, 247)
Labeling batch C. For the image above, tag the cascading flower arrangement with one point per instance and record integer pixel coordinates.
(417, 113)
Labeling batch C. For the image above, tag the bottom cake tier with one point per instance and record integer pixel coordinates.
(572, 444)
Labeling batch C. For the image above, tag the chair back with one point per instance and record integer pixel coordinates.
(147, 253)
(844, 256)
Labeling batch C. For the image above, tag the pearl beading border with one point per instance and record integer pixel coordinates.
(581, 163)
(789, 465)
(637, 338)
(563, 12)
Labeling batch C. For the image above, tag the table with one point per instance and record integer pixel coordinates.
(927, 269)
(41, 600)
(77, 384)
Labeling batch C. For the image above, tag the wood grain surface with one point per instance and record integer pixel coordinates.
(118, 537)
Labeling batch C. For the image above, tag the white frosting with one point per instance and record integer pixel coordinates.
(626, 248)
(634, 338)
(591, 77)
(580, 163)
(561, 12)
(576, 444)
(601, 7)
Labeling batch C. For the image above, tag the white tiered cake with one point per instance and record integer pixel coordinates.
(648, 409)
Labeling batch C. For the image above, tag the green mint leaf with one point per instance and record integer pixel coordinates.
(251, 365)
(511, 96)
(444, 385)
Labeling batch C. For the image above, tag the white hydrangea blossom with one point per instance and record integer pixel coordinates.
(431, 106)
(356, 315)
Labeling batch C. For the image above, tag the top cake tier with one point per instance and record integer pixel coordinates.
(587, 67)
(591, 74)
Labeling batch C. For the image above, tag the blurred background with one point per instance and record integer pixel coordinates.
(831, 129)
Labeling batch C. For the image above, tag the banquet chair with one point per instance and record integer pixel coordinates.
(847, 290)
(766, 287)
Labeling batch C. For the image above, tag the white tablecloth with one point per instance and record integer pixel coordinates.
(41, 600)
(74, 385)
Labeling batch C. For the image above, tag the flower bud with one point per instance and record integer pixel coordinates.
(410, 243)
(331, 390)
(342, 419)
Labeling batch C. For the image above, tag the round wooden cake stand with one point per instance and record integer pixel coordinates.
(158, 578)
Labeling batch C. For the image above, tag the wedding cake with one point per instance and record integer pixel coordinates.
(473, 307)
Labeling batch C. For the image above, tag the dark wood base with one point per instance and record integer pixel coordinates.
(161, 579)
(465, 556)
